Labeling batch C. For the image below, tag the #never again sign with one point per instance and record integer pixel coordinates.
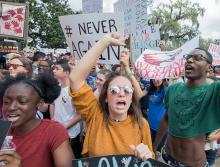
(83, 31)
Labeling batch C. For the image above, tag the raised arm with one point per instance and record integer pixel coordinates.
(124, 60)
(83, 68)
(73, 121)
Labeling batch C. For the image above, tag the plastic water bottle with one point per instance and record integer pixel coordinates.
(8, 145)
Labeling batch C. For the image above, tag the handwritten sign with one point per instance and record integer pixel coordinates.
(215, 52)
(4, 127)
(135, 14)
(14, 20)
(136, 24)
(92, 6)
(149, 38)
(116, 161)
(154, 64)
(83, 31)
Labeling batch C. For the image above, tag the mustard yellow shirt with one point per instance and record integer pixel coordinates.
(100, 140)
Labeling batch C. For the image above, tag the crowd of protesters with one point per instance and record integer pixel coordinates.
(62, 109)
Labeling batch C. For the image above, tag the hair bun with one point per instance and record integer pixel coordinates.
(49, 86)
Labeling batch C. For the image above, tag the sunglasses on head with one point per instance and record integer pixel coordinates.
(116, 89)
(196, 57)
(14, 66)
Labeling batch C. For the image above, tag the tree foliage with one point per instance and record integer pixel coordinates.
(204, 43)
(44, 26)
(178, 21)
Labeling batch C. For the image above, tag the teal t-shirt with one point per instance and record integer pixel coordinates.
(193, 111)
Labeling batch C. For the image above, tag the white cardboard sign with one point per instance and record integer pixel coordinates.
(135, 14)
(92, 6)
(149, 38)
(83, 31)
(13, 20)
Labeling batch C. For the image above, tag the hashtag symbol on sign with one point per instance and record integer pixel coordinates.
(68, 31)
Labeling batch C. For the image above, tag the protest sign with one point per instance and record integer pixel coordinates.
(136, 24)
(116, 161)
(4, 127)
(14, 20)
(135, 14)
(149, 38)
(8, 47)
(215, 52)
(83, 31)
(164, 64)
(92, 6)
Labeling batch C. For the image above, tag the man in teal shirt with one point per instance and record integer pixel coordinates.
(193, 109)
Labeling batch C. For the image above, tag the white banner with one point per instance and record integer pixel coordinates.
(82, 31)
(135, 14)
(92, 6)
(164, 64)
(215, 52)
(12, 21)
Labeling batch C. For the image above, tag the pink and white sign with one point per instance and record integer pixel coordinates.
(154, 64)
(13, 20)
(215, 51)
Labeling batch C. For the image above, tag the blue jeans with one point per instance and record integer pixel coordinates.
(211, 156)
(167, 159)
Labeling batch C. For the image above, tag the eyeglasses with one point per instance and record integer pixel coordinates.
(116, 89)
(15, 66)
(196, 57)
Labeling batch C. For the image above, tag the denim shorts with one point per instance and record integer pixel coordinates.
(167, 159)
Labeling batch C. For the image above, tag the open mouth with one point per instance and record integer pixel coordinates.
(13, 117)
(188, 68)
(121, 103)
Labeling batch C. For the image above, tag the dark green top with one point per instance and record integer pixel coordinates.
(193, 111)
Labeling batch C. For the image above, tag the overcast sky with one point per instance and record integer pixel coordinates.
(209, 24)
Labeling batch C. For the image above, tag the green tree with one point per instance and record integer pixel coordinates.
(204, 43)
(44, 26)
(178, 21)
